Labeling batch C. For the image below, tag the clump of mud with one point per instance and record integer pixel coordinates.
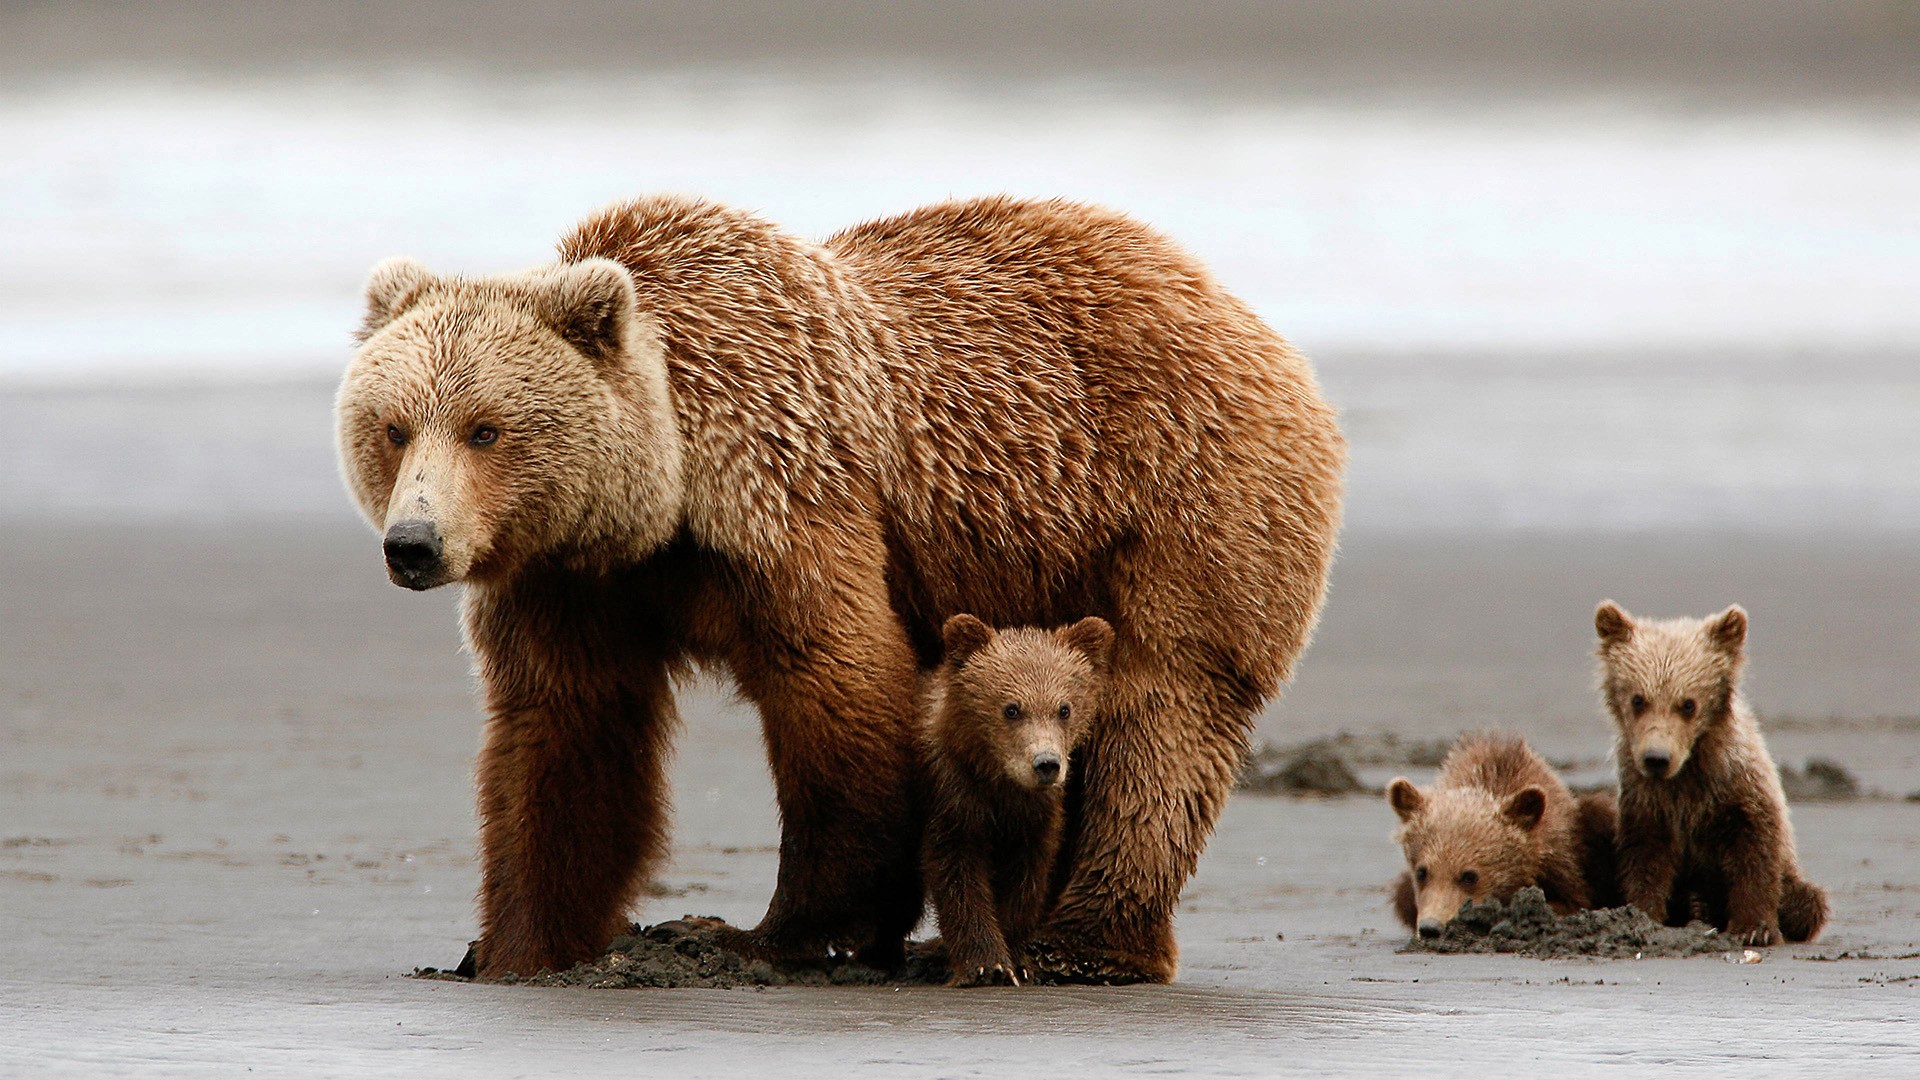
(1315, 768)
(691, 954)
(1528, 927)
(1823, 780)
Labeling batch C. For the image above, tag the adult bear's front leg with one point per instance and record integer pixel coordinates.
(830, 668)
(573, 793)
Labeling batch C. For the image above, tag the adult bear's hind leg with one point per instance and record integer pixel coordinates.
(1159, 767)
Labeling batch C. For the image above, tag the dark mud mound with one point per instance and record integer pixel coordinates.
(1823, 780)
(1316, 768)
(1528, 927)
(691, 953)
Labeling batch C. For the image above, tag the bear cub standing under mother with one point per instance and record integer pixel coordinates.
(1004, 712)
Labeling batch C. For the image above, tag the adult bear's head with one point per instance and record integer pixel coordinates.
(488, 421)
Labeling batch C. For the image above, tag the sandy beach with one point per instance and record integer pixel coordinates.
(237, 807)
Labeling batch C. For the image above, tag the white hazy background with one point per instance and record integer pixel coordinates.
(1588, 309)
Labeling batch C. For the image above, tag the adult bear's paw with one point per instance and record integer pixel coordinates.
(1062, 960)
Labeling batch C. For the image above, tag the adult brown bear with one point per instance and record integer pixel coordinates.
(698, 439)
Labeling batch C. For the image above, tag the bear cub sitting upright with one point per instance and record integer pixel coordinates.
(1003, 714)
(1703, 821)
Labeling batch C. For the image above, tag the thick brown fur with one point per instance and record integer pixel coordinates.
(1498, 820)
(719, 443)
(1001, 703)
(1704, 831)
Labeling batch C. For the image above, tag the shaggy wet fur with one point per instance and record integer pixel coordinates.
(713, 442)
(1704, 831)
(1000, 703)
(1498, 820)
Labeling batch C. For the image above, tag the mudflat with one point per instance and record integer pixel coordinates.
(236, 811)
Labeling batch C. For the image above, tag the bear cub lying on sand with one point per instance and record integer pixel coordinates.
(1003, 713)
(1498, 820)
(1703, 822)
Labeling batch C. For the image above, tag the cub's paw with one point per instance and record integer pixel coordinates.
(1000, 974)
(1755, 936)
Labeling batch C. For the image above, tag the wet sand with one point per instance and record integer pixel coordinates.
(235, 810)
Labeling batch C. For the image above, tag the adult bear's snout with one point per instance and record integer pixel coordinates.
(415, 554)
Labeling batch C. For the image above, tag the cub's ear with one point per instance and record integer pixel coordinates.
(964, 635)
(1613, 623)
(1728, 630)
(1405, 799)
(1093, 638)
(593, 306)
(1525, 807)
(392, 288)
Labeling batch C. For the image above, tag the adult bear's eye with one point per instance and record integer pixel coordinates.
(1011, 712)
(1420, 875)
(395, 435)
(484, 435)
(1065, 711)
(1687, 709)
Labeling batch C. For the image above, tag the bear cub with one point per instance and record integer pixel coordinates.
(1703, 822)
(1003, 714)
(1498, 820)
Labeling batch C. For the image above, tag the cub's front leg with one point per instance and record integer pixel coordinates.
(1648, 864)
(961, 880)
(1753, 869)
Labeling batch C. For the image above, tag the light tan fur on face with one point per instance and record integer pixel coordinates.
(1465, 843)
(1667, 681)
(1034, 671)
(559, 361)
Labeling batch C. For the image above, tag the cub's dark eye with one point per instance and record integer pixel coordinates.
(1011, 712)
(484, 435)
(1420, 875)
(395, 435)
(1066, 711)
(1688, 708)
(1468, 879)
(1639, 704)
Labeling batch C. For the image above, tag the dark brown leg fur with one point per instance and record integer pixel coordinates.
(1648, 865)
(1751, 861)
(833, 676)
(1803, 908)
(959, 877)
(1597, 825)
(572, 778)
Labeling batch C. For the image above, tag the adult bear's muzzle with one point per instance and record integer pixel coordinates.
(415, 555)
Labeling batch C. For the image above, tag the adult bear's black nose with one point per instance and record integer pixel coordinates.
(414, 554)
(1046, 766)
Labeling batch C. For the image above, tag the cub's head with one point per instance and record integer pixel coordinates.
(1668, 682)
(1464, 844)
(484, 422)
(1017, 703)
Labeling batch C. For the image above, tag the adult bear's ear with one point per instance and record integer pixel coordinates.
(1525, 807)
(1405, 799)
(392, 288)
(1612, 622)
(964, 635)
(593, 306)
(1093, 638)
(1728, 630)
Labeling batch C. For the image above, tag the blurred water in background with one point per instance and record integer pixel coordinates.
(1559, 313)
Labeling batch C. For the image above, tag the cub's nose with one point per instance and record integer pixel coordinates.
(1656, 762)
(414, 553)
(1046, 766)
(1430, 928)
